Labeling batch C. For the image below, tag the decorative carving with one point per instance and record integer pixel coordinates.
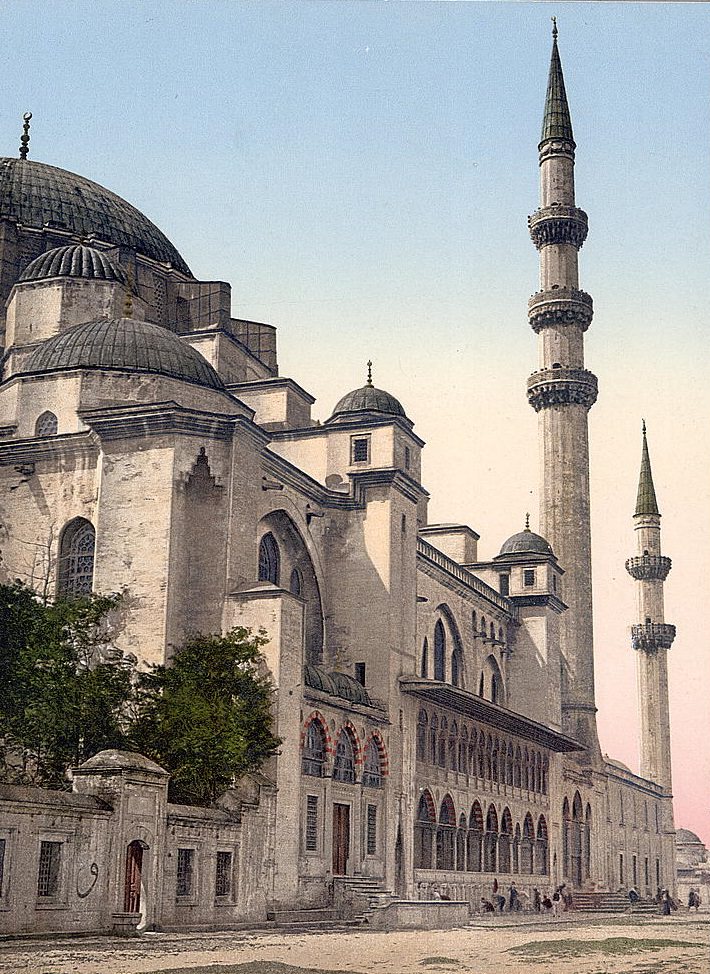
(560, 306)
(643, 567)
(94, 870)
(562, 387)
(558, 225)
(556, 147)
(652, 636)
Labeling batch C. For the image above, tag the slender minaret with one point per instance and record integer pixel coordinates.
(562, 392)
(651, 637)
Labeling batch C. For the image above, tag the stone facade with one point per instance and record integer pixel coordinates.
(436, 711)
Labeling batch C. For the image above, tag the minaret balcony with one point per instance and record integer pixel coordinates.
(645, 567)
(651, 636)
(562, 387)
(560, 306)
(558, 225)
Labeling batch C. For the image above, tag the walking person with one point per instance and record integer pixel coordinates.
(634, 897)
(556, 904)
(513, 900)
(537, 899)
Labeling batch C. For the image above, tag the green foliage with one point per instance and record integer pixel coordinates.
(64, 687)
(206, 718)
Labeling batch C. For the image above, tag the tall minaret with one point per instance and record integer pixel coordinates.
(562, 392)
(652, 637)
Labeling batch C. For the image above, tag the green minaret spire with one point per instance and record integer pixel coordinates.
(557, 123)
(646, 502)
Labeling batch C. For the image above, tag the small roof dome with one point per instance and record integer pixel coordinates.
(368, 399)
(74, 260)
(526, 542)
(113, 759)
(336, 684)
(124, 345)
(685, 835)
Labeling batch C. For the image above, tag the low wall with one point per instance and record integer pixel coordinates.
(420, 915)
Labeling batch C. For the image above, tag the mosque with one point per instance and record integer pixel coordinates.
(437, 712)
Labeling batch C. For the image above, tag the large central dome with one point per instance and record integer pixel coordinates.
(36, 194)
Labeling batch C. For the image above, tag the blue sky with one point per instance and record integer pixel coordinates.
(362, 173)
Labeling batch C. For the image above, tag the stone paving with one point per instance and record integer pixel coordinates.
(577, 944)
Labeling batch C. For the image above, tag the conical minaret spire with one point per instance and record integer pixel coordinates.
(646, 502)
(562, 391)
(651, 636)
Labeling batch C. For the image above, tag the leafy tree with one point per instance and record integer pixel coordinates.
(206, 717)
(64, 687)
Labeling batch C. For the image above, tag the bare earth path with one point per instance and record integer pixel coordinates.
(578, 945)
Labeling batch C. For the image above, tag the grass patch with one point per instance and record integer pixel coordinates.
(612, 946)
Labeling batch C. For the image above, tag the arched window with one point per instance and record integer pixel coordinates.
(517, 768)
(269, 560)
(483, 626)
(453, 746)
(474, 623)
(422, 734)
(566, 839)
(490, 841)
(456, 669)
(445, 834)
(434, 740)
(545, 769)
(314, 750)
(46, 424)
(443, 742)
(424, 829)
(372, 768)
(76, 559)
(516, 850)
(541, 848)
(344, 765)
(475, 838)
(463, 751)
(424, 671)
(494, 688)
(471, 761)
(526, 846)
(295, 585)
(504, 841)
(439, 651)
(481, 686)
(509, 765)
(493, 633)
(577, 830)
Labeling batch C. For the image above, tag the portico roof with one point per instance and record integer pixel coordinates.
(471, 705)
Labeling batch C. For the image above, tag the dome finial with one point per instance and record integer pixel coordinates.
(369, 373)
(554, 27)
(527, 521)
(25, 137)
(643, 426)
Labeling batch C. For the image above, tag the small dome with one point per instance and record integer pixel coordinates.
(124, 345)
(114, 760)
(336, 684)
(525, 542)
(317, 679)
(685, 835)
(368, 399)
(74, 260)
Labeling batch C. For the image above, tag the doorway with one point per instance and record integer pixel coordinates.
(134, 868)
(341, 839)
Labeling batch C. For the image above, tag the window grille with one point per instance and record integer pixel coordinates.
(269, 560)
(371, 830)
(529, 577)
(76, 559)
(223, 876)
(360, 449)
(372, 772)
(311, 823)
(50, 857)
(185, 871)
(46, 425)
(407, 458)
(504, 584)
(344, 766)
(314, 750)
(2, 864)
(360, 672)
(439, 651)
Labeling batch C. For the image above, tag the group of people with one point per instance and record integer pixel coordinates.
(541, 902)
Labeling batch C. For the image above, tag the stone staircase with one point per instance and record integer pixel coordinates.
(311, 919)
(357, 897)
(611, 903)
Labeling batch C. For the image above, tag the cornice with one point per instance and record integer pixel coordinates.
(38, 449)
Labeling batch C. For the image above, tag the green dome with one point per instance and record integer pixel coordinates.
(74, 260)
(37, 195)
(123, 345)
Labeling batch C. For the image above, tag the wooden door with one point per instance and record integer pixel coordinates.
(132, 889)
(341, 839)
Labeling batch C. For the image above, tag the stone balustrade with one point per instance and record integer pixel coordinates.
(644, 567)
(562, 387)
(560, 306)
(558, 225)
(651, 636)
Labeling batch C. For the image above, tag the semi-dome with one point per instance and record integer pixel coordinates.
(124, 345)
(37, 195)
(526, 542)
(74, 260)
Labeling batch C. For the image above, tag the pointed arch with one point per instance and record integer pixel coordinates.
(75, 570)
(445, 834)
(587, 843)
(504, 841)
(347, 755)
(269, 559)
(439, 651)
(316, 744)
(424, 667)
(422, 735)
(541, 847)
(526, 845)
(490, 841)
(461, 833)
(47, 424)
(424, 829)
(375, 764)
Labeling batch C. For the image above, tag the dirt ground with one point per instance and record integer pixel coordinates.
(576, 945)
